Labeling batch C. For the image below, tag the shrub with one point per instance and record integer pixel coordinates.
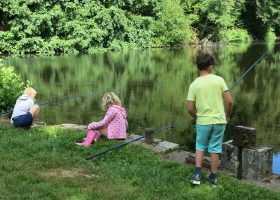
(11, 87)
(234, 35)
(172, 28)
(270, 35)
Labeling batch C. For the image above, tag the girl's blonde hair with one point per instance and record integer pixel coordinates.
(110, 99)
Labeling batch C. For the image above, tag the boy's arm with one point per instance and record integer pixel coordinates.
(191, 108)
(228, 100)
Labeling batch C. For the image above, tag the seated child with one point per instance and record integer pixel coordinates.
(25, 111)
(113, 125)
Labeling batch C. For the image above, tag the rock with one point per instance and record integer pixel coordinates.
(257, 163)
(230, 158)
(165, 147)
(252, 164)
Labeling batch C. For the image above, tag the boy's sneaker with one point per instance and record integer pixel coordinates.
(213, 181)
(195, 179)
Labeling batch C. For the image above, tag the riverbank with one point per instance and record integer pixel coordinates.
(44, 163)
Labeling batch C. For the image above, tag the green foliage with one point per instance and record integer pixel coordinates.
(11, 87)
(139, 7)
(235, 35)
(253, 21)
(210, 17)
(77, 26)
(269, 13)
(84, 26)
(270, 35)
(73, 26)
(260, 16)
(172, 28)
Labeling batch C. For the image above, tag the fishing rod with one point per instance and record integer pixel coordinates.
(174, 125)
(250, 68)
(136, 139)
(59, 100)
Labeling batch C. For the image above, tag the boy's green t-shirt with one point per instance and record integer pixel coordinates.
(207, 92)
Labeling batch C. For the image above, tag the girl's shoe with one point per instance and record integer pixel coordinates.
(82, 144)
(88, 140)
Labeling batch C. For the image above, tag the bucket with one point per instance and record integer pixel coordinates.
(276, 163)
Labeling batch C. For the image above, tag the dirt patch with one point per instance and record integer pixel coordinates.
(70, 173)
(5, 120)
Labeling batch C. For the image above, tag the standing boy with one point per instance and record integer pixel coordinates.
(25, 111)
(205, 104)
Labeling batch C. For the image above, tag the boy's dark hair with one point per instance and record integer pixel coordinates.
(204, 60)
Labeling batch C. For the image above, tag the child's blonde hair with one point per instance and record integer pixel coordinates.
(30, 92)
(110, 99)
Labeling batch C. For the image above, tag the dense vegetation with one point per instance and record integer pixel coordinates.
(44, 163)
(72, 26)
(11, 86)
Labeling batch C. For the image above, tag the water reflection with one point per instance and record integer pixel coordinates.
(276, 163)
(153, 87)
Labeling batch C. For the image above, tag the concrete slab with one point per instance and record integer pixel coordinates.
(80, 127)
(68, 125)
(165, 147)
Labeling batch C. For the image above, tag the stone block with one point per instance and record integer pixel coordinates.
(244, 136)
(257, 163)
(230, 158)
(80, 127)
(149, 135)
(67, 125)
(165, 147)
(134, 136)
(73, 126)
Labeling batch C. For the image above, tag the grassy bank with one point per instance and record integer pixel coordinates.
(44, 163)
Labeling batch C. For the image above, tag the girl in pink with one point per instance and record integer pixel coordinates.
(113, 125)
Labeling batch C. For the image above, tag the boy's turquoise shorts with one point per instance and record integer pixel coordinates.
(210, 136)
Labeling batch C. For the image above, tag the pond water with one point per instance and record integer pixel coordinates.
(153, 86)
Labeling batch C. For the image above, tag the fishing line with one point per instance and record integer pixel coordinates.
(61, 100)
(173, 125)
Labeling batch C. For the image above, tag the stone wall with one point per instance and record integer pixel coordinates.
(248, 163)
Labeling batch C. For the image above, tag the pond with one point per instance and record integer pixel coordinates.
(153, 86)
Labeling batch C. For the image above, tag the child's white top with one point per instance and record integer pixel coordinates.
(23, 104)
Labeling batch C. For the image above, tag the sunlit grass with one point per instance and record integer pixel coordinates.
(44, 163)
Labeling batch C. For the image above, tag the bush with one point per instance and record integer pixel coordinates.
(11, 87)
(75, 26)
(172, 28)
(234, 35)
(270, 35)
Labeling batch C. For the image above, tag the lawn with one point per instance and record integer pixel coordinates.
(44, 163)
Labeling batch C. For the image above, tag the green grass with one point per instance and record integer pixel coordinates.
(44, 163)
